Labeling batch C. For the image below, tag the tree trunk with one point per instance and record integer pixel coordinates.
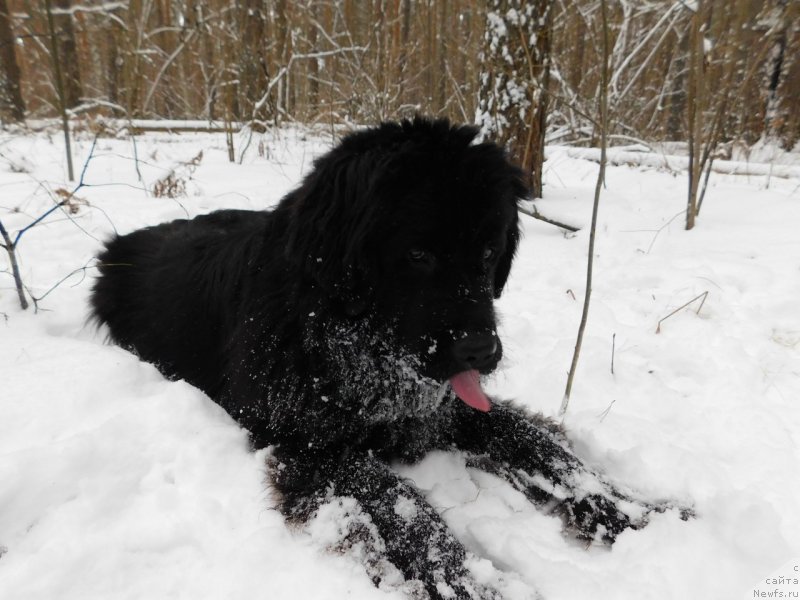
(696, 107)
(314, 64)
(441, 70)
(677, 97)
(402, 60)
(252, 66)
(114, 62)
(787, 123)
(67, 52)
(280, 54)
(513, 91)
(12, 106)
(166, 98)
(775, 74)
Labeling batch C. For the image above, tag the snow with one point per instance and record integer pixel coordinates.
(119, 484)
(653, 160)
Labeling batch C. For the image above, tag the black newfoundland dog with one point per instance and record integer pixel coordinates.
(350, 327)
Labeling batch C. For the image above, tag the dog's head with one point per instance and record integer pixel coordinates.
(414, 227)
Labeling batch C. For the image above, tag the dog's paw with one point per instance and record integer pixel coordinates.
(600, 519)
(465, 589)
(594, 518)
(342, 527)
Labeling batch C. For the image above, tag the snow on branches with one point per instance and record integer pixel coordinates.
(515, 59)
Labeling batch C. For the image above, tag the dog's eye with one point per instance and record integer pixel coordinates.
(416, 255)
(421, 260)
(489, 253)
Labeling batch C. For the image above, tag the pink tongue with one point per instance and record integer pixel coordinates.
(467, 386)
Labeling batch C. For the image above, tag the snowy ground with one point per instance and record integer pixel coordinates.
(115, 483)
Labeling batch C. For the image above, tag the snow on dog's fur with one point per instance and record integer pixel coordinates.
(348, 328)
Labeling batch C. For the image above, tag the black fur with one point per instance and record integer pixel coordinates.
(329, 326)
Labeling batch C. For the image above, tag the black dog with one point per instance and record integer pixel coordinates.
(341, 326)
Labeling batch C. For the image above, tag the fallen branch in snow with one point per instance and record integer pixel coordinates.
(534, 212)
(704, 295)
(681, 163)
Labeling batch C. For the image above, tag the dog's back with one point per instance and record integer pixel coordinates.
(182, 279)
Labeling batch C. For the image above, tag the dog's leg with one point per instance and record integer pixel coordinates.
(381, 518)
(534, 455)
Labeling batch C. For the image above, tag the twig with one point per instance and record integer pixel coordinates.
(62, 202)
(613, 350)
(10, 245)
(704, 295)
(534, 212)
(604, 414)
(136, 158)
(287, 67)
(170, 59)
(37, 299)
(598, 187)
(12, 258)
(660, 229)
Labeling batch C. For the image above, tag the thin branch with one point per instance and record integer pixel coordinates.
(660, 229)
(62, 202)
(287, 67)
(598, 187)
(705, 185)
(83, 269)
(646, 61)
(164, 68)
(10, 245)
(613, 350)
(12, 257)
(704, 295)
(604, 414)
(534, 212)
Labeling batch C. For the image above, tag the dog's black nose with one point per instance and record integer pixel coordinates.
(478, 350)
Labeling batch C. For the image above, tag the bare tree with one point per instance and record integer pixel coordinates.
(722, 65)
(62, 98)
(782, 73)
(601, 174)
(696, 103)
(252, 60)
(514, 81)
(201, 59)
(12, 106)
(67, 51)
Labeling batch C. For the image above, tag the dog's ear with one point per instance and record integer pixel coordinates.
(330, 217)
(503, 268)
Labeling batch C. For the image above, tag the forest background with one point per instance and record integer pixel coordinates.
(724, 71)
